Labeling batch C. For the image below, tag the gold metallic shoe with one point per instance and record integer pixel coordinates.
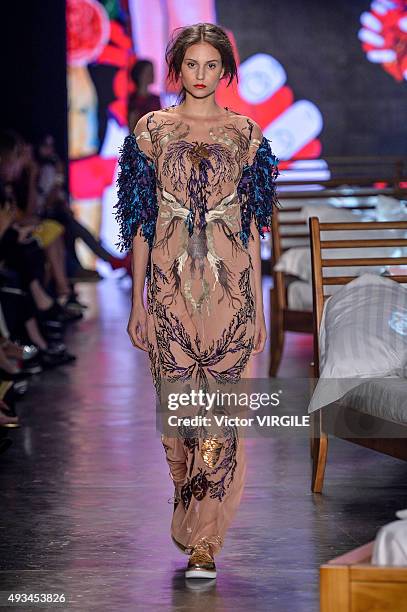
(201, 563)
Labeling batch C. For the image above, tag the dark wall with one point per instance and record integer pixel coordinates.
(33, 73)
(364, 108)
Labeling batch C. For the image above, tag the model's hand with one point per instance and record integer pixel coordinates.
(260, 334)
(137, 327)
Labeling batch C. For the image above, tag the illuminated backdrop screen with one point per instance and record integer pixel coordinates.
(319, 78)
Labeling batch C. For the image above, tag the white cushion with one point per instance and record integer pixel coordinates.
(363, 334)
(365, 329)
(390, 545)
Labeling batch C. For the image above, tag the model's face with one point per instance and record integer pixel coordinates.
(201, 70)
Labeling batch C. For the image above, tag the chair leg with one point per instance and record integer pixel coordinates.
(313, 383)
(319, 452)
(276, 339)
(312, 439)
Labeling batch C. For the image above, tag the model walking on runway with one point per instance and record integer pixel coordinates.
(196, 188)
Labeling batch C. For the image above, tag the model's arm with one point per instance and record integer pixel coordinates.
(264, 172)
(137, 325)
(260, 333)
(137, 211)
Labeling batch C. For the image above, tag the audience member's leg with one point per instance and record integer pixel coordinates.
(56, 256)
(80, 231)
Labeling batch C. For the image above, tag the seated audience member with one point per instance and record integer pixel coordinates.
(53, 205)
(29, 315)
(48, 233)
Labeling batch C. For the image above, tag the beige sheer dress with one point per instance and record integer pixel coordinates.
(211, 178)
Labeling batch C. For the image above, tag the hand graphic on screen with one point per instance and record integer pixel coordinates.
(384, 36)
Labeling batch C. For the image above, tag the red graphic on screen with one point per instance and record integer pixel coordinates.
(265, 112)
(384, 36)
(88, 29)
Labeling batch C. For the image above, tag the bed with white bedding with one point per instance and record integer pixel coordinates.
(363, 335)
(385, 398)
(361, 359)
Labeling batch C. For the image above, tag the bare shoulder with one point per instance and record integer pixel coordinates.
(246, 123)
(153, 116)
(144, 121)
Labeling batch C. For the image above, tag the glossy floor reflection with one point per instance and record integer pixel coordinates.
(85, 487)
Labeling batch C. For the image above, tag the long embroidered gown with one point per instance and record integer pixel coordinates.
(192, 189)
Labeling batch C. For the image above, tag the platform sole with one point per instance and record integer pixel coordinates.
(200, 573)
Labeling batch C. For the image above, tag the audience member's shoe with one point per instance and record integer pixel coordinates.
(20, 387)
(7, 418)
(51, 317)
(53, 335)
(31, 367)
(56, 348)
(50, 359)
(4, 375)
(83, 275)
(27, 358)
(65, 316)
(67, 357)
(30, 351)
(69, 316)
(119, 263)
(72, 305)
(55, 316)
(10, 399)
(5, 443)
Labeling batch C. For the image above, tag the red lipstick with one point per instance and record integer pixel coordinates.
(200, 86)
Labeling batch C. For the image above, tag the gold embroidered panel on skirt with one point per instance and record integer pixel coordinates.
(210, 451)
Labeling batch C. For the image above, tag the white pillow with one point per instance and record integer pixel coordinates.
(328, 213)
(296, 261)
(299, 296)
(391, 209)
(364, 329)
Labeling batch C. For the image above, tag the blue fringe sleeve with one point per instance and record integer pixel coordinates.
(257, 191)
(137, 198)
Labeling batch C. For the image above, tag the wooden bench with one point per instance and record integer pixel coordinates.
(350, 583)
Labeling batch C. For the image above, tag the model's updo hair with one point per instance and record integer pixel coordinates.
(184, 37)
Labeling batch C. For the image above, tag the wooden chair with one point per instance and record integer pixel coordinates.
(395, 447)
(283, 319)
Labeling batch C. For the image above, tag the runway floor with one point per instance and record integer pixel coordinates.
(84, 491)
